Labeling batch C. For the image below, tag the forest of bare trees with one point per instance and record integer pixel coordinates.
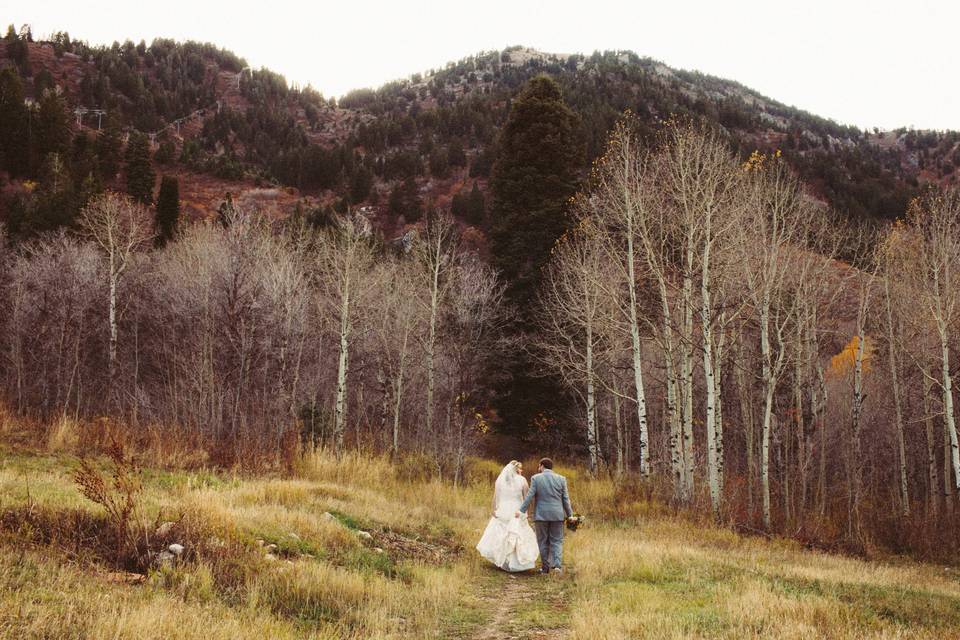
(246, 340)
(726, 333)
(725, 338)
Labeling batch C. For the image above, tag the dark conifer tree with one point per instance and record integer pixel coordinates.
(456, 157)
(53, 125)
(458, 205)
(405, 200)
(475, 209)
(14, 140)
(18, 50)
(360, 184)
(168, 209)
(140, 174)
(534, 176)
(109, 145)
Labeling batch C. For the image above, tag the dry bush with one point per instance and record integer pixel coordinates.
(120, 496)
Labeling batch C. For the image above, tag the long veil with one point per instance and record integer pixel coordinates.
(507, 480)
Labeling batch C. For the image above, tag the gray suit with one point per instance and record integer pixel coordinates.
(549, 489)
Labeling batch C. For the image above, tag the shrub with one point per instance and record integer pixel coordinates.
(120, 496)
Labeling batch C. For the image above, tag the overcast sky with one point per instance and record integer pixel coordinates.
(866, 63)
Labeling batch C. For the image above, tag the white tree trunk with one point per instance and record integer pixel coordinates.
(718, 403)
(933, 492)
(673, 416)
(431, 346)
(686, 373)
(948, 417)
(898, 409)
(822, 429)
(622, 441)
(747, 416)
(591, 404)
(710, 387)
(397, 399)
(769, 386)
(947, 473)
(635, 352)
(855, 446)
(112, 348)
(340, 409)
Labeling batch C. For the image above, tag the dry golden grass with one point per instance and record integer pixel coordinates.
(63, 434)
(634, 571)
(8, 421)
(667, 577)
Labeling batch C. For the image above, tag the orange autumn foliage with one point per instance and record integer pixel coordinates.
(844, 361)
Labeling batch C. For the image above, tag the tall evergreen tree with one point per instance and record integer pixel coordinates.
(14, 141)
(56, 204)
(534, 176)
(140, 174)
(476, 209)
(109, 145)
(53, 125)
(168, 209)
(18, 50)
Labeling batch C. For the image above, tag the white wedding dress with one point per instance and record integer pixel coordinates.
(509, 542)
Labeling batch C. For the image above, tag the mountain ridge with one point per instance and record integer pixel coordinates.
(420, 141)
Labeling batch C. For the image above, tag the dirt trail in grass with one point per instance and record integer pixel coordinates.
(525, 606)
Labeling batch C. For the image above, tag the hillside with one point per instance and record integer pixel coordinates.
(418, 142)
(361, 548)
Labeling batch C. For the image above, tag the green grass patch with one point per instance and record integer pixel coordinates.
(347, 520)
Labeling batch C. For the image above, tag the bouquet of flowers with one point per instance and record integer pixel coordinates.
(575, 521)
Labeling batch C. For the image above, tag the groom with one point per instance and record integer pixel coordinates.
(553, 507)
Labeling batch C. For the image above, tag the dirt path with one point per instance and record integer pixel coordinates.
(525, 606)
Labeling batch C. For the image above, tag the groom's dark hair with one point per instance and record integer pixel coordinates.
(546, 463)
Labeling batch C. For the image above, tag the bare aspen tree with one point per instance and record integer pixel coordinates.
(773, 229)
(656, 237)
(933, 491)
(286, 286)
(856, 471)
(53, 339)
(434, 250)
(345, 257)
(948, 467)
(702, 182)
(886, 260)
(477, 314)
(398, 322)
(935, 218)
(619, 209)
(817, 292)
(572, 301)
(119, 227)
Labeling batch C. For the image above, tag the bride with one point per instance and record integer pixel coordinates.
(508, 541)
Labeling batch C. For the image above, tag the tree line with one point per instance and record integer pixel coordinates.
(245, 339)
(728, 334)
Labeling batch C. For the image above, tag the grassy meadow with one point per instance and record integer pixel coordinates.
(273, 556)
